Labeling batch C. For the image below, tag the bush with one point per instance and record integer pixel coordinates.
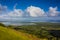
(1, 24)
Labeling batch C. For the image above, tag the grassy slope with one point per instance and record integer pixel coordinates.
(10, 34)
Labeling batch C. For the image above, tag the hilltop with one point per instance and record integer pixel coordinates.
(11, 34)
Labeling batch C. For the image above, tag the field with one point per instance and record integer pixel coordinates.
(40, 31)
(10, 34)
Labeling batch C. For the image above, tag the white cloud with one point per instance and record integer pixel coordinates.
(35, 11)
(53, 11)
(13, 14)
(31, 11)
(15, 6)
(16, 13)
(3, 9)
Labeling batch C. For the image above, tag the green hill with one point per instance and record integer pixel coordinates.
(10, 34)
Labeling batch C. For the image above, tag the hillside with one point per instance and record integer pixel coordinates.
(10, 34)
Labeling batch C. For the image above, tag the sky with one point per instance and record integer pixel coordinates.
(21, 9)
(23, 4)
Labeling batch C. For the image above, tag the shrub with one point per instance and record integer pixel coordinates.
(1, 24)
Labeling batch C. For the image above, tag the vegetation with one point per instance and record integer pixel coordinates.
(2, 25)
(40, 30)
(10, 34)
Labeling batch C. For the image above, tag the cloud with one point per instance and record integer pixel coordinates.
(3, 9)
(35, 11)
(15, 6)
(53, 11)
(5, 13)
(31, 11)
(16, 13)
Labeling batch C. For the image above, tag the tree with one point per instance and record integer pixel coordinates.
(45, 34)
(1, 24)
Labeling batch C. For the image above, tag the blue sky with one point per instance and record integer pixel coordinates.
(43, 9)
(23, 4)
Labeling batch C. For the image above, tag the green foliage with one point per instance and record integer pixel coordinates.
(10, 26)
(10, 34)
(40, 30)
(44, 33)
(2, 25)
(35, 30)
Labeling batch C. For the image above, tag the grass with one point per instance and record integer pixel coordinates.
(10, 34)
(41, 30)
(28, 32)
